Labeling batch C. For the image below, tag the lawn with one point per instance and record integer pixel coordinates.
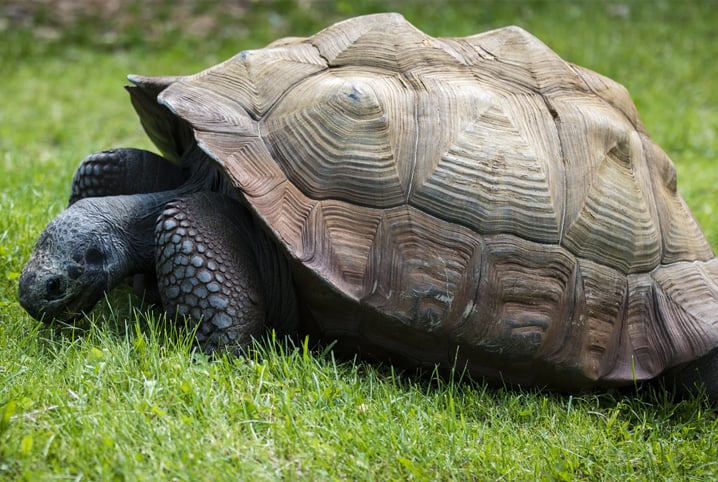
(125, 398)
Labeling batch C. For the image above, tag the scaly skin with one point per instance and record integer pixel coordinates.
(214, 265)
(124, 171)
(87, 250)
(207, 270)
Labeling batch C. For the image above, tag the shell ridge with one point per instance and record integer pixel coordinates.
(582, 72)
(556, 119)
(409, 189)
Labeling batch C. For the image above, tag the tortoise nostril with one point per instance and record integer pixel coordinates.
(54, 288)
(74, 271)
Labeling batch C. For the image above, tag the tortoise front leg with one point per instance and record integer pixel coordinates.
(124, 171)
(207, 269)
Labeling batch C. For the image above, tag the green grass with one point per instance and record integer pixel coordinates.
(121, 399)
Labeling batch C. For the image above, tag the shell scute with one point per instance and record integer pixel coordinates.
(249, 78)
(525, 290)
(332, 139)
(598, 319)
(209, 110)
(336, 241)
(681, 236)
(611, 215)
(612, 92)
(422, 270)
(512, 59)
(689, 305)
(495, 180)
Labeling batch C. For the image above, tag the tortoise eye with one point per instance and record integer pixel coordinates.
(94, 256)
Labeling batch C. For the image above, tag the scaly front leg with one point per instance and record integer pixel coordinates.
(207, 269)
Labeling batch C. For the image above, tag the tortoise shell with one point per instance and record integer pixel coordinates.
(474, 200)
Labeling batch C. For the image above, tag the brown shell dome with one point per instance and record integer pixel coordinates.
(477, 194)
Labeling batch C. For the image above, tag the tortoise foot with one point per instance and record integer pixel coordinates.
(697, 375)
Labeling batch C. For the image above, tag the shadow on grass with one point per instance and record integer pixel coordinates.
(124, 318)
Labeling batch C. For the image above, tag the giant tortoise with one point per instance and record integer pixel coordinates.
(471, 202)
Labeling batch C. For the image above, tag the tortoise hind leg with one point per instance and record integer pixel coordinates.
(124, 171)
(699, 374)
(207, 270)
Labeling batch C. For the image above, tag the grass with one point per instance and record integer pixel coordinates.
(127, 399)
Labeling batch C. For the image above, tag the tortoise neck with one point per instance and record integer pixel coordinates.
(134, 217)
(132, 229)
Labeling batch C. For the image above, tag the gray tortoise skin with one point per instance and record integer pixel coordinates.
(475, 202)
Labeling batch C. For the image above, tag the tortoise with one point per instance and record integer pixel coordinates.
(471, 202)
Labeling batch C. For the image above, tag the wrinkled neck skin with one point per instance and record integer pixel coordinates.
(87, 250)
(129, 230)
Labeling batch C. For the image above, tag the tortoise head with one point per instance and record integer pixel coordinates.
(81, 254)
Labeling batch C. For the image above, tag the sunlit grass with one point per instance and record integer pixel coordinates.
(137, 404)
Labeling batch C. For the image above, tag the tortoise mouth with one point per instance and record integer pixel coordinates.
(59, 298)
(79, 306)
